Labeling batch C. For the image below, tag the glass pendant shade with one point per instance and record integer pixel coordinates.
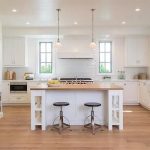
(58, 44)
(92, 45)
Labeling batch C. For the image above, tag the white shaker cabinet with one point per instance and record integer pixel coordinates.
(136, 51)
(144, 93)
(14, 52)
(5, 91)
(130, 92)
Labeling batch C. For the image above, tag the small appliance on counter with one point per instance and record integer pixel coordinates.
(121, 75)
(28, 76)
(141, 76)
(10, 75)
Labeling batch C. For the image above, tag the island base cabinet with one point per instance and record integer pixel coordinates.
(43, 112)
(115, 109)
(38, 109)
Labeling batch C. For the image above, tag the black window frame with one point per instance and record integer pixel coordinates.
(51, 69)
(111, 69)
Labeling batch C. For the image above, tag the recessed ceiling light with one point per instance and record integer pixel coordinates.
(137, 9)
(75, 23)
(14, 10)
(27, 23)
(107, 35)
(123, 22)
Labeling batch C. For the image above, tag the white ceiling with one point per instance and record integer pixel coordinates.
(43, 12)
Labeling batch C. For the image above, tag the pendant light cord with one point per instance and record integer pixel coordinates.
(58, 25)
(92, 24)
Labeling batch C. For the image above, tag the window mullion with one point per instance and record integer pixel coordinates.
(105, 53)
(45, 68)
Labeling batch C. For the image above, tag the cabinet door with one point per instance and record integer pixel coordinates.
(143, 51)
(130, 51)
(19, 52)
(148, 96)
(18, 98)
(145, 94)
(130, 92)
(14, 52)
(5, 92)
(7, 52)
(136, 51)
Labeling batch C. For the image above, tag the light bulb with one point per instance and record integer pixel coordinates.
(58, 45)
(92, 45)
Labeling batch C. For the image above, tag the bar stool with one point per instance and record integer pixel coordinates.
(92, 125)
(61, 125)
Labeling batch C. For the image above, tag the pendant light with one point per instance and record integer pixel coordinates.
(92, 44)
(58, 44)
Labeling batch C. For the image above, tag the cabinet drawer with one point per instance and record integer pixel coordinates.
(14, 98)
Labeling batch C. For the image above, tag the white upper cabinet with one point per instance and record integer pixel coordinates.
(14, 52)
(137, 51)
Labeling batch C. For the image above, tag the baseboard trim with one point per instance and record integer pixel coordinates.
(132, 104)
(145, 107)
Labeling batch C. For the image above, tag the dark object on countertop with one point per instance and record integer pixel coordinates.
(107, 77)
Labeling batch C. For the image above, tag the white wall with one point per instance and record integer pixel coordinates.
(76, 39)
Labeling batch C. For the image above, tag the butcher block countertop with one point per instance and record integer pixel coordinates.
(90, 86)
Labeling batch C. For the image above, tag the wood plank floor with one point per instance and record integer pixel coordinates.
(15, 133)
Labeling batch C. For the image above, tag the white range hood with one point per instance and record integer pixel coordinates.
(75, 55)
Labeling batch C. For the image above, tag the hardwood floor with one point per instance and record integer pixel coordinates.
(15, 133)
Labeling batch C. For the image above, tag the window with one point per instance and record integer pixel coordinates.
(105, 57)
(45, 57)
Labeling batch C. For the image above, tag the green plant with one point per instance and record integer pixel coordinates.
(102, 69)
(46, 69)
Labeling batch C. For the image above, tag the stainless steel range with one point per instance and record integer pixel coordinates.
(76, 80)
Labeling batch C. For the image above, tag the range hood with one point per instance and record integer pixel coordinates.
(76, 55)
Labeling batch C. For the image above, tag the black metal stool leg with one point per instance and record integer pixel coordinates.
(92, 121)
(61, 125)
(92, 125)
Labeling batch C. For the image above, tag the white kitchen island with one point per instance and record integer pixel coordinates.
(109, 113)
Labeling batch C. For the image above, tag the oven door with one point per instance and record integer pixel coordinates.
(18, 87)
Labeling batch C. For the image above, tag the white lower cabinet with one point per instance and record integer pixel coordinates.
(13, 98)
(17, 98)
(144, 94)
(130, 93)
(5, 91)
